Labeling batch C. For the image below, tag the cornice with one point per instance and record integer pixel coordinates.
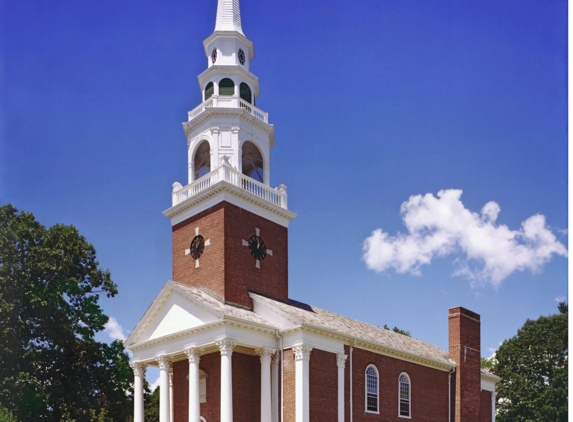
(226, 321)
(179, 334)
(490, 377)
(226, 187)
(373, 346)
(210, 112)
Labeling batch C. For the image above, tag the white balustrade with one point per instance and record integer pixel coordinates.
(229, 102)
(226, 173)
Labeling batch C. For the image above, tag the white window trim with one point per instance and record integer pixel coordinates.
(377, 390)
(409, 396)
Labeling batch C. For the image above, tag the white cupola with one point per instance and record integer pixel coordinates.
(228, 137)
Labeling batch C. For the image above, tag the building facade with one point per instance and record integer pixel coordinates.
(229, 342)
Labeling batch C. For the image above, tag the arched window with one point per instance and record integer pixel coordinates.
(209, 90)
(372, 389)
(252, 160)
(202, 160)
(245, 92)
(226, 87)
(404, 395)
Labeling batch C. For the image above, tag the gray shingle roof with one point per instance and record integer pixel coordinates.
(302, 313)
(312, 315)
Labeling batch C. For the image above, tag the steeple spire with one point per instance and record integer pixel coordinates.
(228, 16)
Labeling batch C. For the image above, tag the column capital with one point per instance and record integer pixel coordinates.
(265, 354)
(226, 346)
(163, 362)
(341, 360)
(302, 352)
(138, 368)
(193, 354)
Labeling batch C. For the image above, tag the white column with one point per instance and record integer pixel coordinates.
(194, 404)
(265, 355)
(170, 392)
(226, 347)
(493, 406)
(275, 387)
(341, 363)
(138, 382)
(164, 412)
(302, 358)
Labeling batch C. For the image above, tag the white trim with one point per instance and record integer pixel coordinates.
(233, 195)
(409, 396)
(377, 412)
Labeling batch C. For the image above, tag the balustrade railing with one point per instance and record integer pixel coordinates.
(226, 173)
(233, 103)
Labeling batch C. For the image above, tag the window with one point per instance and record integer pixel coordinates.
(371, 389)
(209, 90)
(226, 87)
(252, 161)
(404, 395)
(202, 160)
(245, 92)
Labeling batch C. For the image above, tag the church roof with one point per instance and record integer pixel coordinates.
(311, 315)
(220, 307)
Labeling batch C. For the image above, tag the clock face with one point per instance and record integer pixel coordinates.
(214, 55)
(257, 247)
(241, 56)
(197, 246)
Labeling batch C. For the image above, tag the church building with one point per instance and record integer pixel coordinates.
(230, 344)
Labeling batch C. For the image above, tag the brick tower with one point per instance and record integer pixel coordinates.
(229, 226)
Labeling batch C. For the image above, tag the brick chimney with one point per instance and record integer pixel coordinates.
(464, 344)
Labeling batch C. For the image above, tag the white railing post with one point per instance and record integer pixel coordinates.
(283, 196)
(174, 195)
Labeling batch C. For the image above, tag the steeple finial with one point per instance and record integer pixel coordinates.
(228, 16)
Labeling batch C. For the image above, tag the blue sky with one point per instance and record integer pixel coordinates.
(373, 102)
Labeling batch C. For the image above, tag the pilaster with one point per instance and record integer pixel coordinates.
(302, 402)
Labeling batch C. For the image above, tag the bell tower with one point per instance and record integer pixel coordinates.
(229, 226)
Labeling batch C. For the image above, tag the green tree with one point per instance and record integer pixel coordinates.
(398, 330)
(52, 368)
(151, 405)
(533, 370)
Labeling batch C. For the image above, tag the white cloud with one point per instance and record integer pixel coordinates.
(441, 226)
(560, 299)
(155, 384)
(114, 330)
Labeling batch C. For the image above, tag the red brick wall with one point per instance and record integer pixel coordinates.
(211, 272)
(180, 391)
(227, 268)
(246, 388)
(289, 386)
(323, 386)
(429, 389)
(240, 271)
(464, 345)
(485, 407)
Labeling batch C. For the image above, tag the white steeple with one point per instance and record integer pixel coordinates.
(228, 16)
(228, 138)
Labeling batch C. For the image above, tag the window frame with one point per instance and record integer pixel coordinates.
(409, 416)
(377, 411)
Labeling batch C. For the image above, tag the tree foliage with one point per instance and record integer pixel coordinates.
(52, 367)
(533, 370)
(152, 405)
(398, 330)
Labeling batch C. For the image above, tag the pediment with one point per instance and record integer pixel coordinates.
(171, 312)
